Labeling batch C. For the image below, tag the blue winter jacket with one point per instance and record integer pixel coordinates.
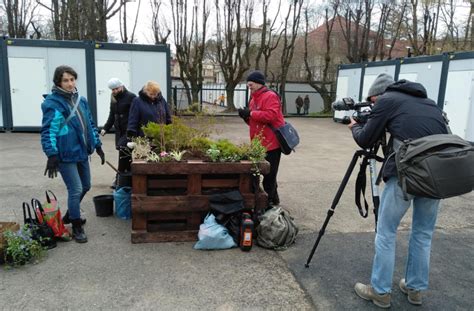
(68, 140)
(144, 110)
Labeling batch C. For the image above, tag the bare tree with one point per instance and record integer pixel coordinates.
(190, 42)
(233, 42)
(356, 28)
(328, 67)
(81, 19)
(20, 15)
(123, 17)
(289, 33)
(422, 37)
(269, 39)
(161, 31)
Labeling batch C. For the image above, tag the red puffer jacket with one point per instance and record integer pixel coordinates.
(265, 110)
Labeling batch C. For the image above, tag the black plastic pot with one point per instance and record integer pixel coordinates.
(104, 205)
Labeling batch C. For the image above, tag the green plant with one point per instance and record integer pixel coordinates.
(213, 152)
(228, 151)
(177, 155)
(255, 152)
(141, 148)
(21, 248)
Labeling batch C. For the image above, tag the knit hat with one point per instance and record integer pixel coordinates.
(257, 77)
(114, 83)
(380, 85)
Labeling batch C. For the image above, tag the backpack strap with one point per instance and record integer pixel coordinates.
(361, 182)
(74, 109)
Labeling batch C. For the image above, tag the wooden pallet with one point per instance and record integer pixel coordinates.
(170, 199)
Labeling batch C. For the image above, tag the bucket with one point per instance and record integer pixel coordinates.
(104, 205)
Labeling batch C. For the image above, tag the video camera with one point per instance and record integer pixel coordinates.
(360, 115)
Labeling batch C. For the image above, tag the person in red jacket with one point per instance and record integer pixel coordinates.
(263, 114)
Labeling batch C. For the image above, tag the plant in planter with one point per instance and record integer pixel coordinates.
(21, 248)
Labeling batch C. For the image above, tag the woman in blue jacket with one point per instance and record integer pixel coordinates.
(68, 137)
(149, 106)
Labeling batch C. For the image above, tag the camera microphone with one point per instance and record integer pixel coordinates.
(339, 105)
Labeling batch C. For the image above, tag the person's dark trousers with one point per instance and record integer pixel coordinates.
(270, 180)
(124, 161)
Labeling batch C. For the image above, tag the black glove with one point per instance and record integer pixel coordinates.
(130, 135)
(101, 154)
(244, 113)
(52, 167)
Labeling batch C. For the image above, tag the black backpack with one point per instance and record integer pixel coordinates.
(436, 166)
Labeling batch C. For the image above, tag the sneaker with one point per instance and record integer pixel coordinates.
(367, 292)
(414, 296)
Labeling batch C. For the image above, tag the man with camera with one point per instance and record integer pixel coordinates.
(403, 109)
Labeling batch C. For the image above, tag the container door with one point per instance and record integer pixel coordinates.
(458, 101)
(104, 71)
(27, 86)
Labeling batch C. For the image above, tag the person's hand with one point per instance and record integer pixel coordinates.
(103, 132)
(101, 154)
(352, 123)
(52, 167)
(244, 113)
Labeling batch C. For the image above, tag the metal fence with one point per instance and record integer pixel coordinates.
(211, 95)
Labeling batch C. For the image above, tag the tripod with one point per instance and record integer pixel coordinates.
(369, 157)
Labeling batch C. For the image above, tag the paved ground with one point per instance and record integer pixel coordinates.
(111, 273)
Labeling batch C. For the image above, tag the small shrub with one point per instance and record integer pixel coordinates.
(21, 248)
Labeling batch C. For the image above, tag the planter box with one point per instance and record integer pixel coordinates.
(5, 226)
(170, 199)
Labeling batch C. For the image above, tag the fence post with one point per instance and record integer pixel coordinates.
(175, 100)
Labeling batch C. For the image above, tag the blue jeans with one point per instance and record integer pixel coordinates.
(77, 177)
(392, 209)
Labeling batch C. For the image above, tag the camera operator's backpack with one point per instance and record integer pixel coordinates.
(277, 229)
(435, 166)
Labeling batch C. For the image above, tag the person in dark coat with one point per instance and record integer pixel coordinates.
(149, 106)
(306, 105)
(404, 110)
(299, 104)
(120, 103)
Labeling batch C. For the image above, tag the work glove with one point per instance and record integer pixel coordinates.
(103, 132)
(101, 154)
(244, 113)
(52, 167)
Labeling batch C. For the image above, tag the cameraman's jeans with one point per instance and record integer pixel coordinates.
(392, 209)
(77, 177)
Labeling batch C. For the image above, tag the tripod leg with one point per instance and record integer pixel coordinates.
(335, 201)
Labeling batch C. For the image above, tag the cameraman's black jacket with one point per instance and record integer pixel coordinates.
(406, 112)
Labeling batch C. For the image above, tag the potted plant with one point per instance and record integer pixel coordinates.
(21, 248)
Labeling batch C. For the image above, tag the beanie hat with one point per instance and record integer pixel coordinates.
(380, 85)
(257, 77)
(114, 83)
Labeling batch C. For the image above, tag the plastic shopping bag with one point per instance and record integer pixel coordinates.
(123, 202)
(213, 236)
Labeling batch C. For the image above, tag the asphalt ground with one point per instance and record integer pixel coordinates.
(109, 272)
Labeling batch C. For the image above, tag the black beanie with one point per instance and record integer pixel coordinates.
(257, 77)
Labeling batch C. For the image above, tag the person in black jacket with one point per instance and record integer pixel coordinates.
(120, 103)
(149, 106)
(403, 109)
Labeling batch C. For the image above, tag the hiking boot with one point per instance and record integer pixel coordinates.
(414, 296)
(367, 292)
(78, 232)
(67, 220)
